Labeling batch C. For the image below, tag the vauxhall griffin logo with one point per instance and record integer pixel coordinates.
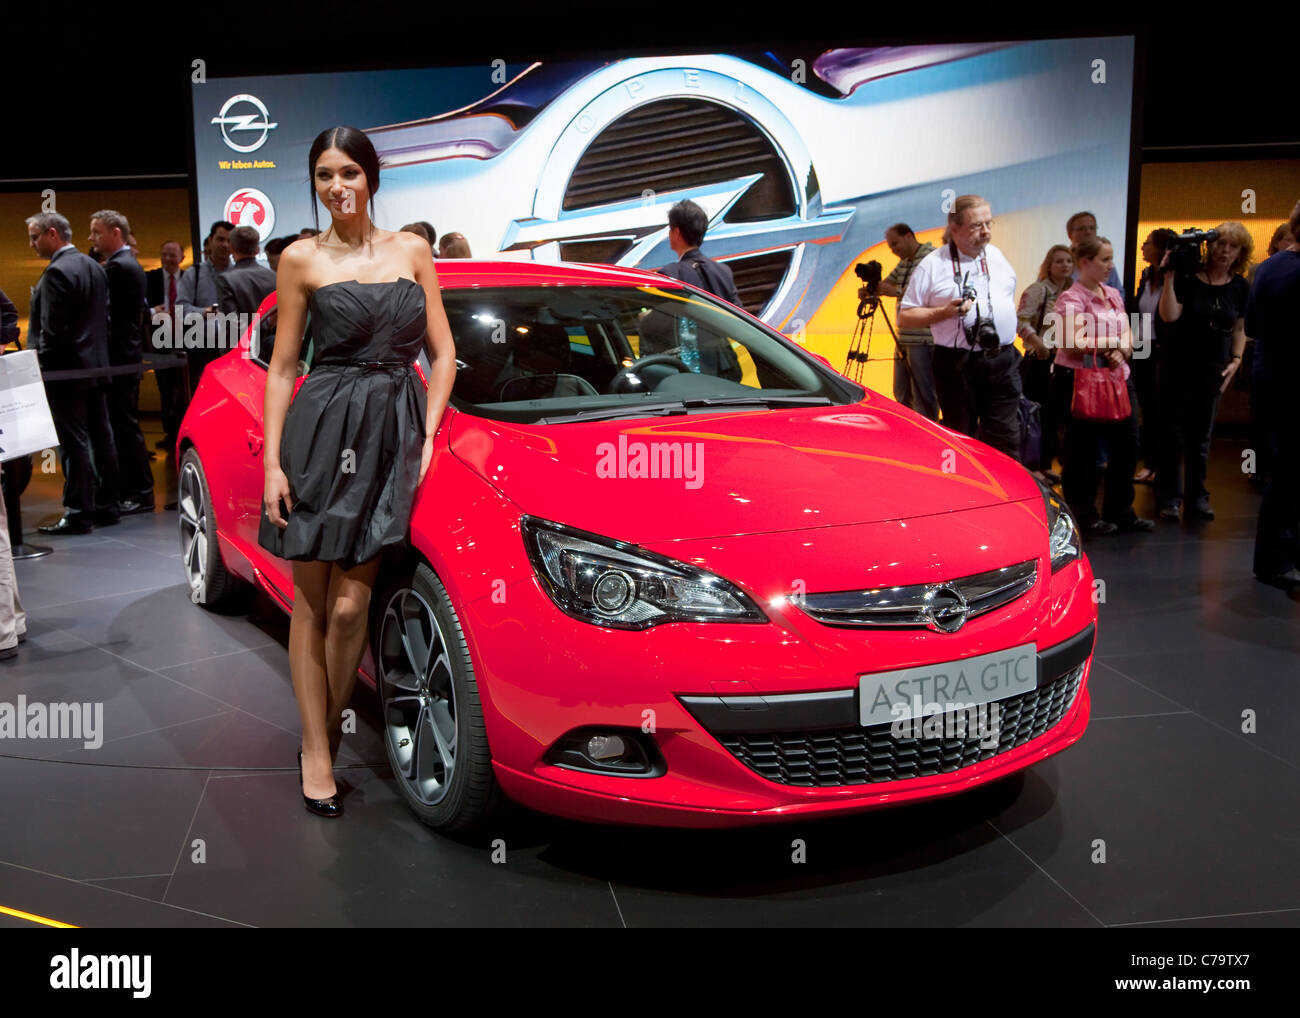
(246, 118)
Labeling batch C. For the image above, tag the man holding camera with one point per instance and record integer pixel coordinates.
(914, 358)
(964, 292)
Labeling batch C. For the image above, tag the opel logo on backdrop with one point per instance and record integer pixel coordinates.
(236, 118)
(250, 207)
(945, 609)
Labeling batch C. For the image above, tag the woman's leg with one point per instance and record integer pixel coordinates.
(345, 638)
(307, 667)
(1079, 470)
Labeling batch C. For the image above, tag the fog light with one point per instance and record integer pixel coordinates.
(605, 747)
(601, 750)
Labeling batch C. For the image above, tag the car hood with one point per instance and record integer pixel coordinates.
(733, 473)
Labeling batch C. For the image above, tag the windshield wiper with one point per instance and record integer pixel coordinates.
(607, 413)
(681, 406)
(704, 401)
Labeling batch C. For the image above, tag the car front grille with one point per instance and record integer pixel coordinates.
(859, 756)
(914, 606)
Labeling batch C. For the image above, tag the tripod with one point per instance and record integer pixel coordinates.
(855, 363)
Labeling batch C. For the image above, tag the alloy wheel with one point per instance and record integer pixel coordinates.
(418, 696)
(194, 527)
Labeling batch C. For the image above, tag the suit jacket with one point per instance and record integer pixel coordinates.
(68, 324)
(8, 321)
(126, 307)
(156, 287)
(705, 273)
(242, 288)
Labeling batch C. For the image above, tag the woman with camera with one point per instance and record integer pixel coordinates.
(1145, 303)
(1205, 305)
(1096, 327)
(1036, 303)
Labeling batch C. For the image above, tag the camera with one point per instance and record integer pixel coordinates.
(982, 332)
(1185, 251)
(869, 273)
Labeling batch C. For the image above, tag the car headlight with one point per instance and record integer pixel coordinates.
(1062, 533)
(611, 583)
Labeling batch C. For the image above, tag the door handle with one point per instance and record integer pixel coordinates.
(254, 441)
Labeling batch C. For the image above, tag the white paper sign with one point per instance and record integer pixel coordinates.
(25, 422)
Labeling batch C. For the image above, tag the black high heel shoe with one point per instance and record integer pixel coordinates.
(330, 807)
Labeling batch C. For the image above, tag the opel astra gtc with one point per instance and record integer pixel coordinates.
(669, 568)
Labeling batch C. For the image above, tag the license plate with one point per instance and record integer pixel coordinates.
(906, 693)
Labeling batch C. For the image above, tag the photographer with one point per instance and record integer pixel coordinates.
(964, 293)
(1206, 303)
(914, 357)
(1145, 304)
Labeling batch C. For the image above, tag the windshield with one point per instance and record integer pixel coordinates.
(552, 354)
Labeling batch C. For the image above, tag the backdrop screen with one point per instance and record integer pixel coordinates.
(800, 165)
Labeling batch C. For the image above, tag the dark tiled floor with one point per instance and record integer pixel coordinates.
(188, 814)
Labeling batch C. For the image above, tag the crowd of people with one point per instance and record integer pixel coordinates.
(955, 360)
(1106, 399)
(94, 317)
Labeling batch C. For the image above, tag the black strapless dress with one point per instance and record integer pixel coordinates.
(354, 432)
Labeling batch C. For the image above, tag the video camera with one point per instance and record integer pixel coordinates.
(1185, 255)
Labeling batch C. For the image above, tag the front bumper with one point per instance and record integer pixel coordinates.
(542, 674)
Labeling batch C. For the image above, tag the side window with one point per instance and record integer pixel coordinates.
(262, 343)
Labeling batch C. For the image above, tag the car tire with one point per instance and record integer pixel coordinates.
(211, 584)
(416, 630)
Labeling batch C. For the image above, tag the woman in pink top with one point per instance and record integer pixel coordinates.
(1094, 320)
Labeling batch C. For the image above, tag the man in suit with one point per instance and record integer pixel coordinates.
(68, 329)
(126, 304)
(702, 351)
(163, 289)
(243, 287)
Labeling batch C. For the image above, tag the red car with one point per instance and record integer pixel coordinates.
(669, 568)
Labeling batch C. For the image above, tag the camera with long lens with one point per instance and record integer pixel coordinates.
(1185, 252)
(982, 332)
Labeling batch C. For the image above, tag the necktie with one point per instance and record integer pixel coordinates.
(171, 292)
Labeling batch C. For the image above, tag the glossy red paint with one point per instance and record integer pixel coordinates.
(842, 498)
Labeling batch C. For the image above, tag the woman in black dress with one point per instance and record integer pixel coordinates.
(1198, 360)
(343, 462)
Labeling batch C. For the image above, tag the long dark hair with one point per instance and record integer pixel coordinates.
(1162, 240)
(357, 147)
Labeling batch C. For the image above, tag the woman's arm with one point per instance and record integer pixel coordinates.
(441, 344)
(1031, 303)
(282, 371)
(1238, 351)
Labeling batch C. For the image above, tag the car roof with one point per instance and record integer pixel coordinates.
(466, 272)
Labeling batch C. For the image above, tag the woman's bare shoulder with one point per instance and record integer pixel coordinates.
(300, 254)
